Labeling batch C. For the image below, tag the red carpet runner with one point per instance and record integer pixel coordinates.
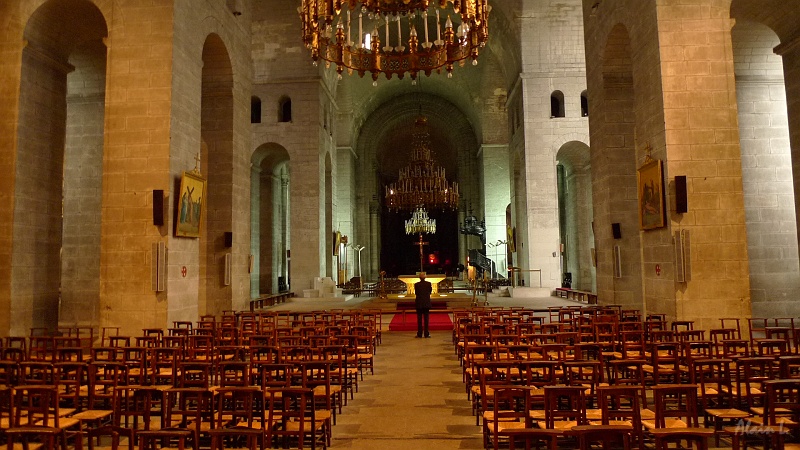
(408, 321)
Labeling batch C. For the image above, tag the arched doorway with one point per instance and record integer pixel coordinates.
(59, 166)
(216, 131)
(384, 147)
(766, 171)
(614, 163)
(269, 216)
(575, 215)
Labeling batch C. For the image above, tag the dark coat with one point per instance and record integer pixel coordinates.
(423, 290)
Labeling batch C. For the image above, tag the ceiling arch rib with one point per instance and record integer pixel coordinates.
(386, 135)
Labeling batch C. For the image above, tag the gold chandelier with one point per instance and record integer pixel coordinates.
(421, 183)
(420, 222)
(395, 36)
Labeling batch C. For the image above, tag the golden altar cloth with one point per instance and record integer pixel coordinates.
(409, 280)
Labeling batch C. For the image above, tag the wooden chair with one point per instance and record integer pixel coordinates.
(781, 405)
(104, 377)
(136, 406)
(714, 382)
(490, 374)
(621, 406)
(665, 362)
(292, 418)
(604, 434)
(676, 417)
(35, 437)
(564, 407)
(510, 410)
(94, 436)
(238, 437)
(166, 438)
(239, 406)
(316, 375)
(530, 438)
(191, 409)
(37, 406)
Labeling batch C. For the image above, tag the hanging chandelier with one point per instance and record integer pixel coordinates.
(421, 183)
(420, 223)
(395, 36)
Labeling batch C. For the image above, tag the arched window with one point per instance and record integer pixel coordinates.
(584, 104)
(255, 109)
(556, 104)
(285, 109)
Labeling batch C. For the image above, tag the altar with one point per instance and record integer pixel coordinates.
(409, 280)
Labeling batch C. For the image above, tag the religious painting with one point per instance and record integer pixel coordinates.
(190, 205)
(651, 195)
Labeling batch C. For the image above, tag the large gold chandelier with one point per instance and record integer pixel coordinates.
(395, 36)
(421, 183)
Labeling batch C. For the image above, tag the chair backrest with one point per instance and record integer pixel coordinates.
(133, 404)
(628, 373)
(511, 404)
(292, 405)
(189, 408)
(35, 404)
(713, 378)
(751, 373)
(620, 403)
(781, 396)
(273, 375)
(193, 374)
(253, 438)
(239, 405)
(675, 401)
(564, 403)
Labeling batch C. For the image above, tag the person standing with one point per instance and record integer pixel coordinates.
(422, 302)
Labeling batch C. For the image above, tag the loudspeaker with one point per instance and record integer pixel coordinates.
(228, 239)
(616, 230)
(158, 207)
(681, 205)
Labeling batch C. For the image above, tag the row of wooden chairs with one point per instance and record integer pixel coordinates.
(491, 359)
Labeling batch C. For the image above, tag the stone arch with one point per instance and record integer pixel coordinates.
(216, 132)
(383, 148)
(766, 174)
(614, 178)
(55, 265)
(269, 219)
(575, 213)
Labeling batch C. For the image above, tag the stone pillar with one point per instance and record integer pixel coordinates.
(790, 52)
(497, 195)
(255, 237)
(702, 143)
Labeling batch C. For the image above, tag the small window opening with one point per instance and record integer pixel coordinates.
(556, 104)
(584, 104)
(255, 110)
(285, 110)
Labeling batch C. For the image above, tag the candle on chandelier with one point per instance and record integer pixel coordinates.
(438, 28)
(349, 41)
(388, 44)
(425, 18)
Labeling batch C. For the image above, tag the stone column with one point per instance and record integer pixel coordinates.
(497, 195)
(702, 143)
